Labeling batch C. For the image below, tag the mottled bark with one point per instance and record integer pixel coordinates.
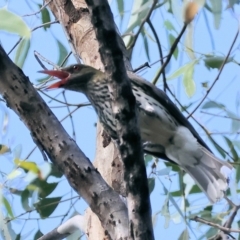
(61, 149)
(82, 39)
(124, 109)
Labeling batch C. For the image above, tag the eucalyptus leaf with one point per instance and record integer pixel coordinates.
(7, 207)
(217, 12)
(46, 206)
(120, 5)
(232, 149)
(172, 40)
(169, 26)
(145, 43)
(62, 53)
(22, 51)
(188, 82)
(216, 61)
(45, 17)
(12, 23)
(213, 104)
(151, 184)
(184, 235)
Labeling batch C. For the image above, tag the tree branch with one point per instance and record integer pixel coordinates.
(172, 49)
(217, 77)
(124, 105)
(224, 229)
(22, 98)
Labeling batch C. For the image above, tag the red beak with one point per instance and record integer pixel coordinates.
(62, 75)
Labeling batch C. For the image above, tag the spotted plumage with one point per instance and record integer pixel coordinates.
(165, 132)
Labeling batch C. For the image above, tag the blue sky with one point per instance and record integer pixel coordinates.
(226, 92)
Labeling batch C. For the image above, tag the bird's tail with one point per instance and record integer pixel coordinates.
(211, 174)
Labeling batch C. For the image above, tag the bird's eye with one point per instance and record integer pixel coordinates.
(75, 67)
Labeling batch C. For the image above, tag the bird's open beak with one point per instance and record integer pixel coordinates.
(62, 75)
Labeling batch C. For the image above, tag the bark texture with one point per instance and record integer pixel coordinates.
(49, 134)
(82, 39)
(124, 109)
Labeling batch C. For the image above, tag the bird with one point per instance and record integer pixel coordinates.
(165, 132)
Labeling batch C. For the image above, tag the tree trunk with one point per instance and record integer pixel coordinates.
(76, 23)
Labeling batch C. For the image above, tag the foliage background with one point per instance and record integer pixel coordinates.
(210, 38)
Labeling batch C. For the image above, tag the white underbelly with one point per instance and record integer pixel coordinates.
(156, 130)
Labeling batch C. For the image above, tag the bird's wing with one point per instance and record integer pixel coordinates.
(166, 102)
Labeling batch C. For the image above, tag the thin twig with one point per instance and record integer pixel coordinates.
(224, 229)
(216, 115)
(35, 13)
(142, 24)
(65, 59)
(70, 115)
(44, 24)
(218, 75)
(31, 210)
(38, 56)
(69, 104)
(15, 45)
(146, 64)
(160, 53)
(172, 49)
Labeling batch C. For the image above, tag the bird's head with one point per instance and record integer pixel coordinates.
(75, 77)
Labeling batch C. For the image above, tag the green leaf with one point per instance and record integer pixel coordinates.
(235, 121)
(237, 174)
(62, 53)
(209, 233)
(4, 149)
(232, 149)
(216, 145)
(213, 104)
(46, 188)
(38, 234)
(22, 51)
(46, 206)
(187, 72)
(189, 42)
(29, 166)
(215, 61)
(217, 12)
(231, 3)
(136, 15)
(177, 193)
(147, 158)
(184, 235)
(7, 206)
(171, 40)
(12, 23)
(165, 212)
(151, 184)
(169, 26)
(195, 189)
(188, 81)
(176, 9)
(237, 144)
(174, 167)
(45, 17)
(145, 42)
(18, 237)
(171, 199)
(120, 4)
(55, 171)
(182, 70)
(24, 200)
